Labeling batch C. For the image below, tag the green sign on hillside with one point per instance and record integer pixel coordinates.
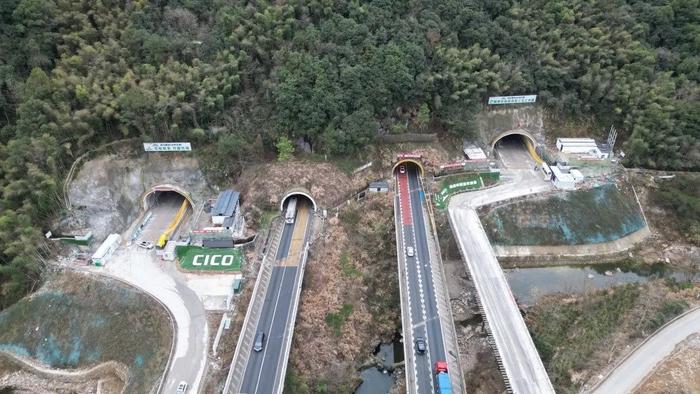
(195, 258)
(462, 183)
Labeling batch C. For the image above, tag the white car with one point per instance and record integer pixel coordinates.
(409, 251)
(181, 387)
(146, 245)
(402, 169)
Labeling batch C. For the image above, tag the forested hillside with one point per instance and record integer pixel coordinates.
(78, 73)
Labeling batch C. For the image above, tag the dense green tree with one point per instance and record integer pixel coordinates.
(239, 77)
(285, 149)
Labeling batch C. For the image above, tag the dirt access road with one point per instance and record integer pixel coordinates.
(634, 368)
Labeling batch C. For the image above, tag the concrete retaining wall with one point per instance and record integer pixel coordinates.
(601, 249)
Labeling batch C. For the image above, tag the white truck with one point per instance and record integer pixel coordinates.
(291, 210)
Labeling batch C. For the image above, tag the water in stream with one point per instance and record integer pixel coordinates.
(530, 284)
(379, 380)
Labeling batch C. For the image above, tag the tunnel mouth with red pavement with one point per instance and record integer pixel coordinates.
(401, 171)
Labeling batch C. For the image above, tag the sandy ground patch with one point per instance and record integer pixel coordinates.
(679, 373)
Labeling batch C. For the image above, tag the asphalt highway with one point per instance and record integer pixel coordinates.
(263, 372)
(423, 310)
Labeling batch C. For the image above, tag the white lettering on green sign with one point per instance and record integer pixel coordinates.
(213, 260)
(462, 184)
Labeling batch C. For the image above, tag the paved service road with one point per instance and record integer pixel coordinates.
(141, 268)
(642, 361)
(264, 371)
(422, 298)
(516, 351)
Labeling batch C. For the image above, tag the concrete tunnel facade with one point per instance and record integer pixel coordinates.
(298, 191)
(406, 161)
(147, 196)
(520, 132)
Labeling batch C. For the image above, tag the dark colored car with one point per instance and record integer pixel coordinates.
(420, 345)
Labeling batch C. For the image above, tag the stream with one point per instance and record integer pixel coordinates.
(532, 283)
(376, 380)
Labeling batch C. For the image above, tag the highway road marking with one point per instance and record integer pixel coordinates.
(419, 278)
(406, 220)
(296, 243)
(408, 286)
(267, 332)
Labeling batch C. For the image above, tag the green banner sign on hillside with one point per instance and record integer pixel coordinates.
(462, 183)
(195, 258)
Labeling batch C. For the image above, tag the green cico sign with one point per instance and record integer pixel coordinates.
(195, 258)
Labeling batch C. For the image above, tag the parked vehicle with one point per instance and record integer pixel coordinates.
(444, 385)
(146, 244)
(181, 387)
(259, 341)
(420, 345)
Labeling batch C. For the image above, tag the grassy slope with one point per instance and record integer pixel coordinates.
(595, 215)
(577, 336)
(75, 321)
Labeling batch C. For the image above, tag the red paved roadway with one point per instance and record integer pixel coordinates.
(404, 200)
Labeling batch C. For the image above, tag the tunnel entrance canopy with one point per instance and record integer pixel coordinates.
(409, 158)
(516, 151)
(151, 197)
(523, 133)
(297, 192)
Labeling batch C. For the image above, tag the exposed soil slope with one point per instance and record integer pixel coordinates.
(106, 193)
(679, 373)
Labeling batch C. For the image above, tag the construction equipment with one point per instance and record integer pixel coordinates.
(173, 225)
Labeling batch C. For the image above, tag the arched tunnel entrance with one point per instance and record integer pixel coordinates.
(516, 150)
(406, 164)
(298, 195)
(166, 207)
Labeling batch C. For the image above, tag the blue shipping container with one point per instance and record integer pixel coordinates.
(444, 383)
